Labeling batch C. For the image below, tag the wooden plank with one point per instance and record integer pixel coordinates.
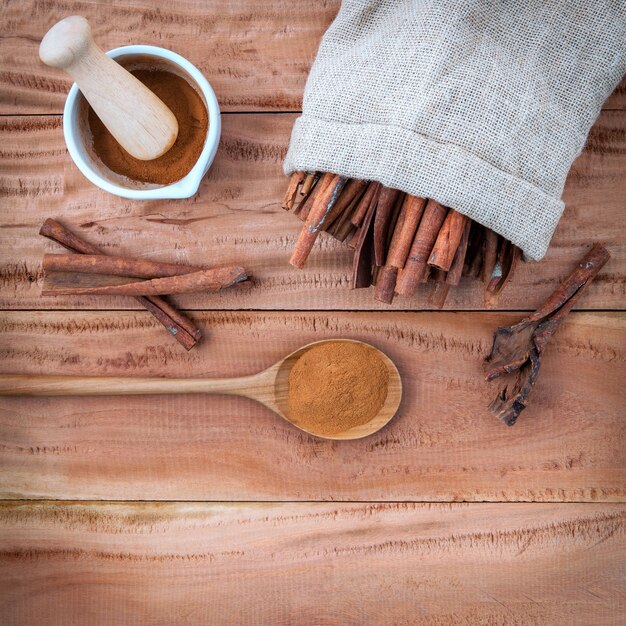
(617, 100)
(256, 54)
(286, 564)
(443, 445)
(236, 218)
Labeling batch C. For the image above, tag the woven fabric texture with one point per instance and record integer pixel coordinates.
(482, 105)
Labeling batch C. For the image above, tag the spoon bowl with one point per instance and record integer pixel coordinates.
(269, 387)
(282, 370)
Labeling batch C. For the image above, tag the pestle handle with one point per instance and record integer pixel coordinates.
(141, 123)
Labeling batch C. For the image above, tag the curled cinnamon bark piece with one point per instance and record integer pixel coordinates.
(448, 240)
(490, 254)
(382, 220)
(322, 206)
(362, 275)
(115, 265)
(404, 232)
(309, 182)
(213, 279)
(369, 198)
(439, 289)
(456, 268)
(474, 256)
(519, 347)
(352, 189)
(292, 190)
(425, 237)
(502, 272)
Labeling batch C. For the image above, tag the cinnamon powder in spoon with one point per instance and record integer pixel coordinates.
(336, 386)
(193, 121)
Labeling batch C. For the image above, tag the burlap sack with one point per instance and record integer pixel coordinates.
(480, 104)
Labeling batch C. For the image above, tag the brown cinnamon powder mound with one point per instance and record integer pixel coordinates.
(336, 386)
(193, 121)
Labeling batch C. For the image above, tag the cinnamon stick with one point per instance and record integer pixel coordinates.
(115, 265)
(490, 254)
(474, 257)
(501, 274)
(342, 223)
(370, 196)
(308, 183)
(519, 348)
(344, 230)
(363, 239)
(322, 206)
(304, 206)
(404, 233)
(405, 230)
(213, 279)
(386, 202)
(178, 325)
(292, 190)
(439, 289)
(352, 189)
(448, 240)
(425, 237)
(456, 268)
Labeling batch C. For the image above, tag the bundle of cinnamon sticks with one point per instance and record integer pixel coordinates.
(90, 272)
(399, 240)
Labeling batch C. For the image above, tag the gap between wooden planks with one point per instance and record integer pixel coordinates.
(443, 445)
(286, 564)
(236, 218)
(255, 53)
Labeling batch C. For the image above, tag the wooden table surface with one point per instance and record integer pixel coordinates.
(211, 510)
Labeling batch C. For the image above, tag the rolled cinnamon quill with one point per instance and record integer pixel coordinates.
(114, 265)
(490, 255)
(292, 190)
(351, 191)
(308, 183)
(382, 220)
(322, 205)
(404, 233)
(362, 275)
(448, 240)
(425, 237)
(213, 279)
(367, 199)
(439, 288)
(456, 269)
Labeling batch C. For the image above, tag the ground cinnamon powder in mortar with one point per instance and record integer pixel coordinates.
(193, 121)
(336, 386)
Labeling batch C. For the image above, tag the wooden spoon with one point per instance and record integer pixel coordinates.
(140, 122)
(269, 387)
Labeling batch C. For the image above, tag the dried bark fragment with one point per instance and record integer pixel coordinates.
(519, 347)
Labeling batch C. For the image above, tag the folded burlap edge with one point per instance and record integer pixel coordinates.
(425, 167)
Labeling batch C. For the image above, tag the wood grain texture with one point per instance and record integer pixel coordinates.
(256, 55)
(442, 445)
(236, 219)
(306, 564)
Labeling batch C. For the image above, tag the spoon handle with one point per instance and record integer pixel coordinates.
(255, 386)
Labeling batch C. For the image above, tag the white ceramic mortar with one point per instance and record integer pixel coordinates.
(97, 173)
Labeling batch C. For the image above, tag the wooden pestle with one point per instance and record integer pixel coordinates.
(140, 122)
